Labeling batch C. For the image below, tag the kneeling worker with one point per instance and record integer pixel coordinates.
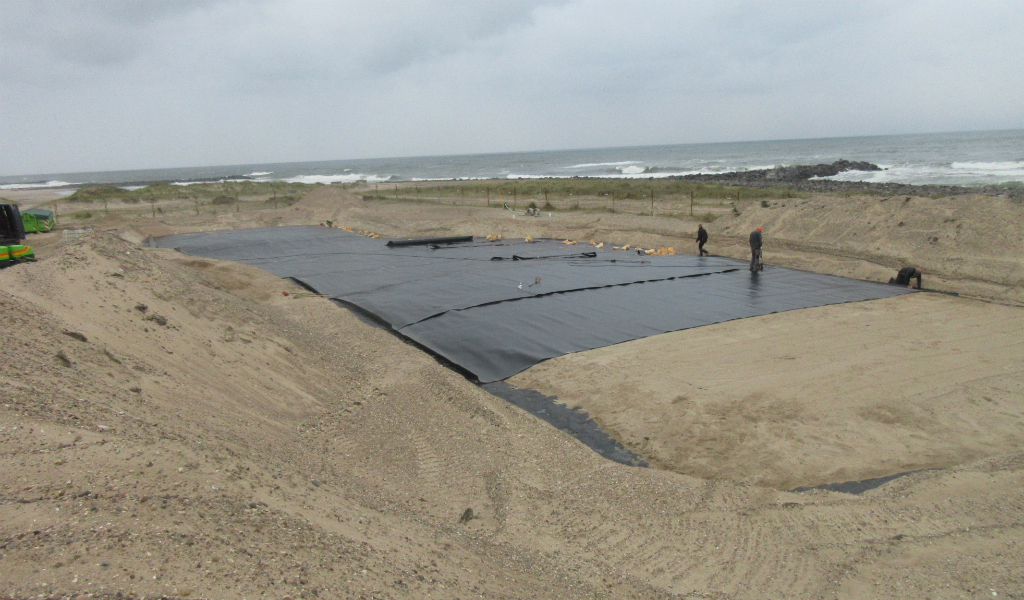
(904, 276)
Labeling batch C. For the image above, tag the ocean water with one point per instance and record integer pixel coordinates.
(964, 158)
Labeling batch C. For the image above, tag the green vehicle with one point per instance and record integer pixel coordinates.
(12, 232)
(37, 220)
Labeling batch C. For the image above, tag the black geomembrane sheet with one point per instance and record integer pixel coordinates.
(497, 308)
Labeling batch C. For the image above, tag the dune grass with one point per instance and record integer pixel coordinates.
(202, 191)
(661, 197)
(163, 198)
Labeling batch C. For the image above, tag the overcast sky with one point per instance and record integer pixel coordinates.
(117, 84)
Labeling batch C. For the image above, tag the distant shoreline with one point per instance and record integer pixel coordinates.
(804, 178)
(985, 161)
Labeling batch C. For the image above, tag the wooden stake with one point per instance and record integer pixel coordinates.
(652, 202)
(691, 203)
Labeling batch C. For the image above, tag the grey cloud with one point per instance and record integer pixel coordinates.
(361, 40)
(120, 84)
(279, 40)
(48, 42)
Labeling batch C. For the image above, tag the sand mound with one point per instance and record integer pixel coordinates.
(804, 398)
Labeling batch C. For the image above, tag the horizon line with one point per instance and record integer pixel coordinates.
(497, 153)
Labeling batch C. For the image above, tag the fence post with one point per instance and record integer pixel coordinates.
(515, 198)
(652, 202)
(488, 195)
(691, 202)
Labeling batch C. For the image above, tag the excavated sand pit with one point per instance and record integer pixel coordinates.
(206, 436)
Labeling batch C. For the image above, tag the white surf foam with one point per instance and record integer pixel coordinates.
(306, 179)
(32, 186)
(185, 183)
(638, 171)
(642, 175)
(957, 173)
(328, 179)
(990, 167)
(260, 173)
(604, 164)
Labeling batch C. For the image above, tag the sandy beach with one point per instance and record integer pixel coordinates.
(177, 427)
(32, 197)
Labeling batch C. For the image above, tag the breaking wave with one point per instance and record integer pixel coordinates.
(622, 163)
(35, 185)
(346, 178)
(956, 173)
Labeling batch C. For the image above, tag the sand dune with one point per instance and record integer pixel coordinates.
(179, 427)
